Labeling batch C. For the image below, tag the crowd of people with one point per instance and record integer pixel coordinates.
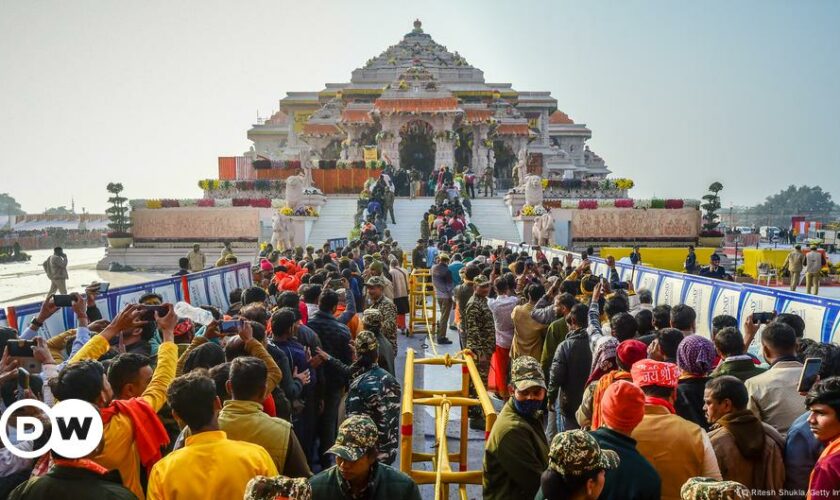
(291, 392)
(609, 396)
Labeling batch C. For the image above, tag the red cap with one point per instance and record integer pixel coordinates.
(622, 406)
(630, 351)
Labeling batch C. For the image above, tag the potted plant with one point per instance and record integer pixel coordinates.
(710, 236)
(118, 236)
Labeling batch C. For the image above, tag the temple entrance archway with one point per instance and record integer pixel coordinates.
(505, 160)
(417, 147)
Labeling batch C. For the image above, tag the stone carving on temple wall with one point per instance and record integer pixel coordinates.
(542, 232)
(533, 190)
(611, 223)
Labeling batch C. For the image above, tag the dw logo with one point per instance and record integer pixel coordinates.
(76, 428)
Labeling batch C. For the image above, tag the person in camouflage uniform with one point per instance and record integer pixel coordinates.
(704, 488)
(375, 288)
(372, 321)
(516, 454)
(576, 466)
(479, 329)
(271, 488)
(376, 393)
(357, 473)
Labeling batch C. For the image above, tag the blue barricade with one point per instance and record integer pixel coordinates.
(210, 287)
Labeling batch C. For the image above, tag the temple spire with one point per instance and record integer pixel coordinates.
(418, 26)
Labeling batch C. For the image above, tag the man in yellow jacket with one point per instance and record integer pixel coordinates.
(133, 434)
(209, 465)
(243, 419)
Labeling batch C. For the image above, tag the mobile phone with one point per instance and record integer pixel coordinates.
(148, 313)
(63, 300)
(809, 374)
(21, 350)
(103, 287)
(230, 327)
(762, 318)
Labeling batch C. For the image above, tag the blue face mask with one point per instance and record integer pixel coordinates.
(527, 407)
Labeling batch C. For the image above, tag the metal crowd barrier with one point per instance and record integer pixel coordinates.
(422, 304)
(443, 400)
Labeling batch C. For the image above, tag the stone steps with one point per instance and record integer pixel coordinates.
(491, 215)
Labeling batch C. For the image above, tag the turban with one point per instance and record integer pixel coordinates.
(630, 351)
(265, 265)
(696, 355)
(649, 372)
(623, 406)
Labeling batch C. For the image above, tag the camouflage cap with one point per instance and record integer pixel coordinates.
(577, 452)
(270, 488)
(375, 281)
(481, 280)
(376, 265)
(377, 255)
(366, 342)
(706, 488)
(372, 318)
(366, 257)
(356, 436)
(443, 256)
(526, 372)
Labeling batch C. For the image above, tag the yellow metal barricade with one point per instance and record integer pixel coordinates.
(422, 304)
(443, 400)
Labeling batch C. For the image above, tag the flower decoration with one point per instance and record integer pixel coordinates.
(288, 211)
(544, 183)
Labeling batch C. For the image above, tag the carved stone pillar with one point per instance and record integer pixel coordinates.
(444, 152)
(479, 150)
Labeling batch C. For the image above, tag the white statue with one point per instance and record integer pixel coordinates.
(521, 168)
(282, 236)
(294, 191)
(542, 232)
(491, 160)
(307, 167)
(533, 190)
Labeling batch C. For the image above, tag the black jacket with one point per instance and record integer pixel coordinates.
(689, 402)
(335, 338)
(71, 483)
(569, 371)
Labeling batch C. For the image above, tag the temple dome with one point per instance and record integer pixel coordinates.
(560, 118)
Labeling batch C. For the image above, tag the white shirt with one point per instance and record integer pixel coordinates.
(502, 307)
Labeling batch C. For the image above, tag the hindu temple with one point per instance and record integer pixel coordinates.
(422, 105)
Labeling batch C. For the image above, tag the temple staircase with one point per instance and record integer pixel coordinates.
(491, 215)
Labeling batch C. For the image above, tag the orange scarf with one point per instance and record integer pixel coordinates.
(603, 383)
(149, 433)
(81, 463)
(832, 448)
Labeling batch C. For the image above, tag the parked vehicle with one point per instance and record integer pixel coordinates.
(824, 237)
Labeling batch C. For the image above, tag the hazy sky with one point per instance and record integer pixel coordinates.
(677, 94)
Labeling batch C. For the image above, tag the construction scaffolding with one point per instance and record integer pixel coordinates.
(442, 474)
